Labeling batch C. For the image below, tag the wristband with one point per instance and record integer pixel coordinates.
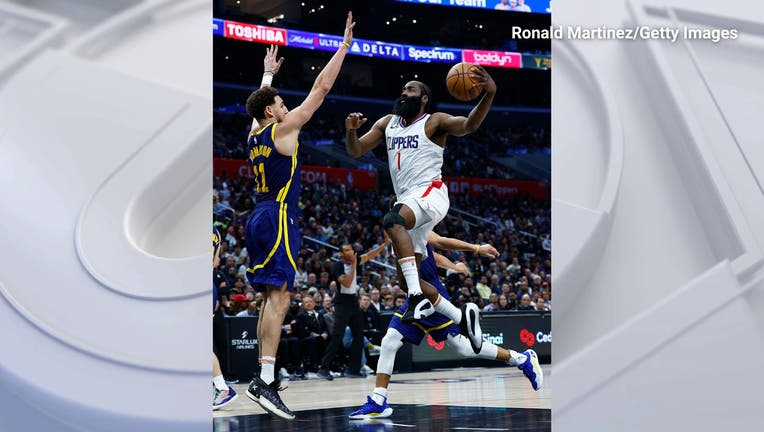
(270, 71)
(267, 80)
(345, 44)
(477, 249)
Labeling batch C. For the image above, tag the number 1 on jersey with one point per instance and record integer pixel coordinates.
(260, 186)
(399, 161)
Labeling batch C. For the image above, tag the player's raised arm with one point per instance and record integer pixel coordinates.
(374, 252)
(355, 146)
(460, 125)
(286, 134)
(271, 67)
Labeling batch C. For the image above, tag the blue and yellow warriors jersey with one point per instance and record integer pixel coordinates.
(215, 248)
(428, 272)
(437, 325)
(215, 241)
(272, 233)
(277, 177)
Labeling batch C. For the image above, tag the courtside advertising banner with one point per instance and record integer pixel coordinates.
(352, 178)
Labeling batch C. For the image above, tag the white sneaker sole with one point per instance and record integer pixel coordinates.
(386, 413)
(268, 406)
(473, 325)
(215, 408)
(420, 312)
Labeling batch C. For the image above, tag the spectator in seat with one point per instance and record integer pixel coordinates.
(495, 286)
(512, 299)
(250, 311)
(503, 304)
(312, 332)
(493, 303)
(300, 276)
(374, 296)
(370, 314)
(387, 303)
(525, 303)
(328, 314)
(482, 288)
(541, 305)
(400, 299)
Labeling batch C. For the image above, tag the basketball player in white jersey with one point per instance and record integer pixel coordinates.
(415, 140)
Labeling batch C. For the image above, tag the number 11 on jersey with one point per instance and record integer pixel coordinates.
(259, 171)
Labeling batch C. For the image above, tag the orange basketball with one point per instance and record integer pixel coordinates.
(460, 84)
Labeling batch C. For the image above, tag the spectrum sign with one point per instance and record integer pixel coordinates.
(371, 48)
(432, 54)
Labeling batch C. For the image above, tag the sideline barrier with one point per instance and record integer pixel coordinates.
(514, 330)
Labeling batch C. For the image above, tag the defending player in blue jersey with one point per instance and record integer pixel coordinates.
(222, 395)
(271, 233)
(441, 328)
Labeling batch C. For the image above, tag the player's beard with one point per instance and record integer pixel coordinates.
(407, 107)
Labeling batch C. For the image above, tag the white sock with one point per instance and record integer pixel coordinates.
(267, 368)
(516, 358)
(379, 395)
(410, 274)
(448, 309)
(488, 351)
(219, 382)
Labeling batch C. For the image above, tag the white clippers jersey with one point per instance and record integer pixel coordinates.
(414, 160)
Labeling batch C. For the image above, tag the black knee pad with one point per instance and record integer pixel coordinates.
(392, 218)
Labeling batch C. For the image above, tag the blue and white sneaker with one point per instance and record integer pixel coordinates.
(371, 410)
(532, 370)
(372, 425)
(223, 398)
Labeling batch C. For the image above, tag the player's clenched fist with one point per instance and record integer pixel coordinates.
(354, 120)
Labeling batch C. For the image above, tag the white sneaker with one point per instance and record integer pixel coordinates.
(532, 369)
(367, 370)
(283, 374)
(470, 326)
(419, 307)
(374, 350)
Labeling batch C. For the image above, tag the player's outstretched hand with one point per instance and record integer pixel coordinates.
(485, 82)
(463, 269)
(355, 120)
(487, 250)
(269, 62)
(349, 24)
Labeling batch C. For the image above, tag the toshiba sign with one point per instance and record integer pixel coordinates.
(255, 33)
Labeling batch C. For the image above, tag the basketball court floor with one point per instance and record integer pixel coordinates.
(463, 399)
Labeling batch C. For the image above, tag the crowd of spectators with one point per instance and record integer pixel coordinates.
(464, 156)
